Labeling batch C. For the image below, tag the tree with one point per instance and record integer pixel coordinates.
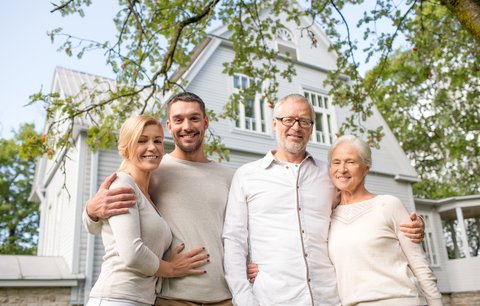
(430, 98)
(156, 38)
(18, 216)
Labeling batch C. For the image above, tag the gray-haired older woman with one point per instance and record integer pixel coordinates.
(375, 264)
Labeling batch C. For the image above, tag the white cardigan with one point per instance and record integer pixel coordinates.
(374, 262)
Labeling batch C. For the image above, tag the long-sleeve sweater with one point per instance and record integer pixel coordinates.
(375, 264)
(134, 244)
(191, 197)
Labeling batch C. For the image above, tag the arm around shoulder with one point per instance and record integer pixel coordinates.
(107, 202)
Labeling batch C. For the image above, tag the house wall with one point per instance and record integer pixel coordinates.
(383, 184)
(61, 211)
(390, 160)
(39, 296)
(62, 233)
(108, 162)
(440, 270)
(464, 274)
(462, 299)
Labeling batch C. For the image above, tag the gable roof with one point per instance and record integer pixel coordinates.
(220, 36)
(36, 271)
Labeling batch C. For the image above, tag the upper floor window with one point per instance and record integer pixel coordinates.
(251, 111)
(285, 43)
(324, 117)
(428, 241)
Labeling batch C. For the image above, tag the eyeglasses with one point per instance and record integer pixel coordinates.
(289, 121)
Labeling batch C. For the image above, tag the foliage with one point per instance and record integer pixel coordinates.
(18, 216)
(157, 38)
(430, 98)
(454, 243)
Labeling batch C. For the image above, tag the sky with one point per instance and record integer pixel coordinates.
(28, 58)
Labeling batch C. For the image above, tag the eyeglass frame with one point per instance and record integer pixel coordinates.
(295, 120)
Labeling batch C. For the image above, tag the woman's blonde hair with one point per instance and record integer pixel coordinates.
(130, 133)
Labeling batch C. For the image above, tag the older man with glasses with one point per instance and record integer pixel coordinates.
(278, 216)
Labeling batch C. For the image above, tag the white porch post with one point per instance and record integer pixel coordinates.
(461, 223)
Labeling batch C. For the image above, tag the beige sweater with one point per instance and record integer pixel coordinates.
(375, 263)
(134, 244)
(192, 197)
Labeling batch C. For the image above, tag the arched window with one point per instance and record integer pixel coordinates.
(286, 43)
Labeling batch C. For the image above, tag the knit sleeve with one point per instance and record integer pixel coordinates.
(128, 239)
(415, 255)
(93, 227)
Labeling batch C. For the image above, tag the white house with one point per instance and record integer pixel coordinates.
(62, 197)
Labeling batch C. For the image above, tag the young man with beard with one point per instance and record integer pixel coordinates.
(278, 217)
(191, 193)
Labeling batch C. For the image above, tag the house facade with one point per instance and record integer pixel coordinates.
(63, 192)
(452, 242)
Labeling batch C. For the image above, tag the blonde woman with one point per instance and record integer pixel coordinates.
(135, 242)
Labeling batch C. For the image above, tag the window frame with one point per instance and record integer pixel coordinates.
(258, 123)
(326, 111)
(286, 45)
(428, 243)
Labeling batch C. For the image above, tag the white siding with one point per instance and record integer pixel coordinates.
(238, 158)
(60, 212)
(389, 160)
(381, 184)
(440, 271)
(85, 197)
(108, 162)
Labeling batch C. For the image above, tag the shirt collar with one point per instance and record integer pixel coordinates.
(269, 159)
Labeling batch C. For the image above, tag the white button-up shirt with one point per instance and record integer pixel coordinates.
(279, 217)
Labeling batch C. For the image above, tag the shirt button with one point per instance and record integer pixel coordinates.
(309, 280)
(303, 231)
(299, 209)
(306, 255)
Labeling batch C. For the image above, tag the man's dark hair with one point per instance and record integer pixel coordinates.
(186, 97)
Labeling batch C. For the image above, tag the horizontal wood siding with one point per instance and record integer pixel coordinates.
(60, 212)
(239, 158)
(108, 162)
(389, 159)
(380, 184)
(85, 196)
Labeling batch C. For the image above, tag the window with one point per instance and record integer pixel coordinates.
(323, 131)
(285, 43)
(428, 242)
(251, 111)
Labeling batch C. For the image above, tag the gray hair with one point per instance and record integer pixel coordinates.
(363, 148)
(294, 97)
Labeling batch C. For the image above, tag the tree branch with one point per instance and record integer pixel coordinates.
(60, 7)
(468, 13)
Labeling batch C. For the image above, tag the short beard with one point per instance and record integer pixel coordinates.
(190, 149)
(292, 148)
